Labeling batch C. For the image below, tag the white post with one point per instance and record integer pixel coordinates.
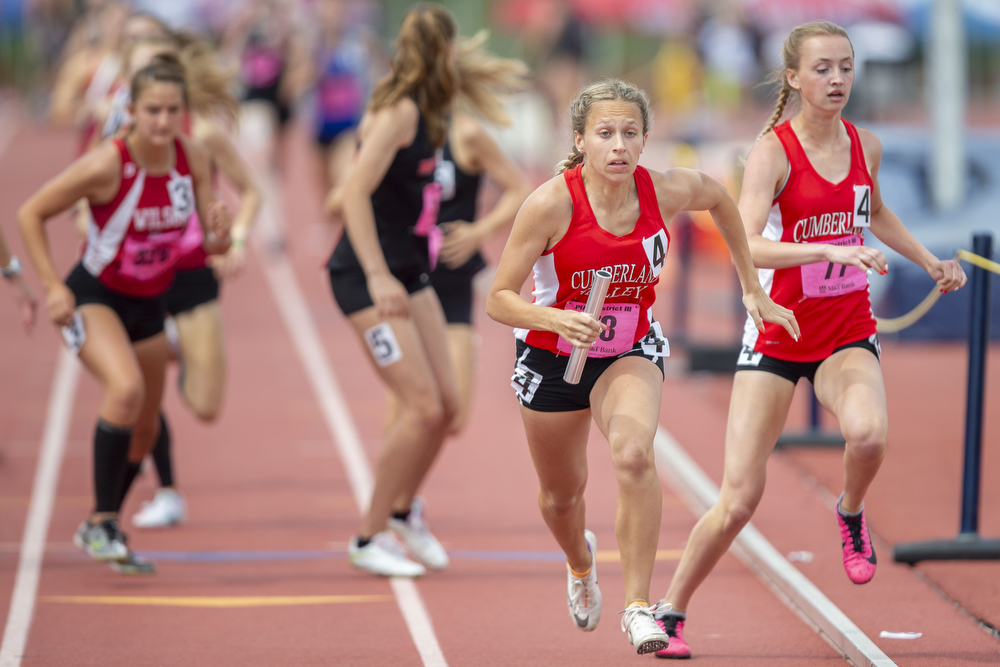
(947, 91)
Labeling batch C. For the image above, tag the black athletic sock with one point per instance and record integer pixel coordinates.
(131, 471)
(402, 516)
(111, 445)
(363, 541)
(161, 455)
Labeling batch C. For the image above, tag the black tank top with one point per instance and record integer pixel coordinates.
(397, 203)
(459, 193)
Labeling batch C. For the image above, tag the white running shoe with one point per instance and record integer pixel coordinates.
(167, 508)
(103, 541)
(642, 630)
(417, 537)
(583, 595)
(383, 556)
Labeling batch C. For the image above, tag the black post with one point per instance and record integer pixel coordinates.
(968, 545)
(979, 336)
(813, 410)
(682, 292)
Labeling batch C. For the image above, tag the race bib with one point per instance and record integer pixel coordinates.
(655, 344)
(181, 191)
(621, 320)
(656, 251)
(383, 345)
(427, 222)
(444, 174)
(149, 257)
(862, 206)
(75, 334)
(824, 279)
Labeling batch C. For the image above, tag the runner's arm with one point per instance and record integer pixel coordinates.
(464, 237)
(543, 218)
(95, 176)
(889, 229)
(232, 164)
(700, 192)
(384, 133)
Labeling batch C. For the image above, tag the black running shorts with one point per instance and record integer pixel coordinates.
(793, 370)
(191, 289)
(142, 317)
(538, 377)
(454, 290)
(350, 288)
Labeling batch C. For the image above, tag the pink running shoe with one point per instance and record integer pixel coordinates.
(672, 622)
(859, 555)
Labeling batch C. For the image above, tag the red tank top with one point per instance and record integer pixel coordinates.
(134, 240)
(564, 275)
(830, 301)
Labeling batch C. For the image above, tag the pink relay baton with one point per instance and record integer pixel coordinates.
(595, 302)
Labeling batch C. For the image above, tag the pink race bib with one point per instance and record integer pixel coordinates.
(145, 259)
(427, 222)
(824, 279)
(622, 319)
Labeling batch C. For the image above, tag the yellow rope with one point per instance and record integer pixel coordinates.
(896, 324)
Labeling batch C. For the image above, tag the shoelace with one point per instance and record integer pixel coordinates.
(578, 590)
(636, 610)
(389, 543)
(854, 528)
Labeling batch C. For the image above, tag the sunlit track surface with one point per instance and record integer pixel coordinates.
(260, 562)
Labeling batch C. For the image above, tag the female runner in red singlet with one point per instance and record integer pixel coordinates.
(810, 190)
(604, 211)
(141, 190)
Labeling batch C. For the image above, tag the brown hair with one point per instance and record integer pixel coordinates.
(791, 50)
(210, 85)
(420, 68)
(164, 68)
(483, 79)
(608, 90)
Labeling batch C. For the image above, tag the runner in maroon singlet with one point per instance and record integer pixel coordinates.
(142, 190)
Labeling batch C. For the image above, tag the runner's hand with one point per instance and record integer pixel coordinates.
(334, 205)
(219, 220)
(229, 264)
(61, 303)
(949, 275)
(579, 329)
(26, 301)
(762, 309)
(461, 241)
(860, 256)
(389, 296)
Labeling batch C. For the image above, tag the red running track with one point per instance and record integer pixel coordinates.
(271, 507)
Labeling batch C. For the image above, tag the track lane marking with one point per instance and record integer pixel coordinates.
(295, 313)
(36, 528)
(216, 602)
(677, 466)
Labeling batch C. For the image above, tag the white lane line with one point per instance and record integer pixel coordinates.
(756, 551)
(299, 323)
(36, 528)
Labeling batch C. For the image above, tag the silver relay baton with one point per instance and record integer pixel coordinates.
(595, 302)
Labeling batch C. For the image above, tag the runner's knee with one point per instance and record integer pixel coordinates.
(124, 397)
(866, 440)
(560, 502)
(633, 457)
(425, 412)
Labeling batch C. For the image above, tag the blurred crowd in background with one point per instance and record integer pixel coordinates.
(705, 63)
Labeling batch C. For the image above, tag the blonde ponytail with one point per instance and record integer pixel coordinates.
(572, 160)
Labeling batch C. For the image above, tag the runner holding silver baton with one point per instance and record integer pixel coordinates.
(595, 302)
